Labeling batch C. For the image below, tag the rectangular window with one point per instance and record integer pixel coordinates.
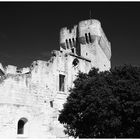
(61, 82)
(51, 103)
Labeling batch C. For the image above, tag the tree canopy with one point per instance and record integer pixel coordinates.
(104, 104)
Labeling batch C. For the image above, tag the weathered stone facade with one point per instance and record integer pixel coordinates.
(32, 97)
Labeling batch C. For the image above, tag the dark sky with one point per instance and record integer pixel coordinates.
(30, 30)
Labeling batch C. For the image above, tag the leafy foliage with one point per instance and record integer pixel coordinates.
(104, 104)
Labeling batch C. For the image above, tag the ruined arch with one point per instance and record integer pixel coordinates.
(21, 125)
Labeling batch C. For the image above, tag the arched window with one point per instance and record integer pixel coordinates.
(21, 124)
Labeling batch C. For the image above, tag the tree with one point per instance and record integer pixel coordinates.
(104, 104)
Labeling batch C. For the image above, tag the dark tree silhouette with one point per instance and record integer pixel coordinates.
(104, 104)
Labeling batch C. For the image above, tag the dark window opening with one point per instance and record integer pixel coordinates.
(73, 42)
(51, 103)
(67, 45)
(72, 50)
(75, 62)
(70, 42)
(61, 82)
(89, 38)
(86, 38)
(21, 124)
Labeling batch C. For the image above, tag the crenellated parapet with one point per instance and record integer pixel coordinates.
(68, 38)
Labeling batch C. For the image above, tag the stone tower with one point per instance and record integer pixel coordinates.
(32, 97)
(88, 41)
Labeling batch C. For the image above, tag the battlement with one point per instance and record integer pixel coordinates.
(68, 38)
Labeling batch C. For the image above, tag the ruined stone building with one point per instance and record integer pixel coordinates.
(30, 98)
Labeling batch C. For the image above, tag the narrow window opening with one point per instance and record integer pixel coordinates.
(70, 42)
(51, 103)
(86, 38)
(67, 45)
(89, 38)
(61, 82)
(73, 41)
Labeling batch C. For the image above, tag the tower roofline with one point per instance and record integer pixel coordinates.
(89, 22)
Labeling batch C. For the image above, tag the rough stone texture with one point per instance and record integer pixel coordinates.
(33, 93)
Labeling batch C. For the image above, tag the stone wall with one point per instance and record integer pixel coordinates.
(35, 95)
